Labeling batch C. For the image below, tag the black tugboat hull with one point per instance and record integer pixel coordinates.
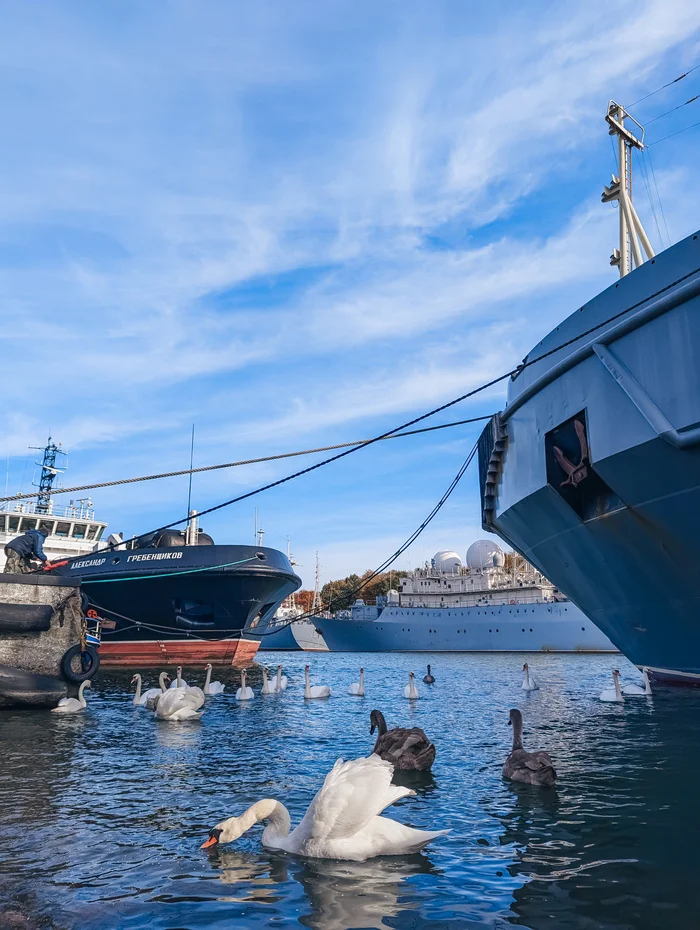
(184, 604)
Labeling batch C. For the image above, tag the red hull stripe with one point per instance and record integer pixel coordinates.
(177, 652)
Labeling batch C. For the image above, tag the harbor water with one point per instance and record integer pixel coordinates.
(102, 814)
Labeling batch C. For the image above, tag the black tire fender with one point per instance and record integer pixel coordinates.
(90, 661)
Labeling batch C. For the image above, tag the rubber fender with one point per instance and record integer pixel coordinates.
(90, 662)
(25, 618)
(21, 688)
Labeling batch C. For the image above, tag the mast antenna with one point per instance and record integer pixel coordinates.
(49, 471)
(316, 605)
(632, 234)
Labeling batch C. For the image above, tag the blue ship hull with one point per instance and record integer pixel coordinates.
(592, 472)
(555, 627)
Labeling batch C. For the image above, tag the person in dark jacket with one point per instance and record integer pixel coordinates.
(23, 549)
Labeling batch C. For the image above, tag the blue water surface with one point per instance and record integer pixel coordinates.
(102, 815)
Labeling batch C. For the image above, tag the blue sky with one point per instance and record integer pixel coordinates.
(297, 224)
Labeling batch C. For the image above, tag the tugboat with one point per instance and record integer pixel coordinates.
(176, 598)
(167, 597)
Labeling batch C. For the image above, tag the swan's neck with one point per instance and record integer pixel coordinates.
(527, 677)
(277, 815)
(138, 688)
(179, 677)
(307, 690)
(81, 696)
(243, 677)
(264, 678)
(208, 679)
(381, 728)
(161, 682)
(517, 735)
(618, 691)
(362, 679)
(279, 679)
(647, 683)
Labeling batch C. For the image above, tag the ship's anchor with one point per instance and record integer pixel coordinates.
(575, 473)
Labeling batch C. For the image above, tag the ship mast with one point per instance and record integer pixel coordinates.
(316, 605)
(48, 474)
(632, 234)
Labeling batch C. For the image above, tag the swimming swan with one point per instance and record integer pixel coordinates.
(179, 681)
(636, 690)
(212, 687)
(529, 684)
(358, 690)
(153, 695)
(281, 681)
(613, 695)
(141, 699)
(244, 693)
(342, 821)
(318, 691)
(72, 705)
(429, 679)
(408, 750)
(180, 704)
(269, 687)
(410, 691)
(530, 768)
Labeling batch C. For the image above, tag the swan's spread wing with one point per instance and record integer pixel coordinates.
(172, 701)
(353, 793)
(194, 697)
(150, 695)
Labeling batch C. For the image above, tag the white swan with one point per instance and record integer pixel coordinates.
(180, 704)
(358, 689)
(212, 687)
(244, 693)
(281, 681)
(269, 685)
(153, 695)
(141, 699)
(179, 681)
(613, 694)
(317, 691)
(410, 691)
(71, 705)
(637, 690)
(342, 821)
(529, 684)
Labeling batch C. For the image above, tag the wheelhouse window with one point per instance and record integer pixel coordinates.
(63, 529)
(79, 531)
(14, 523)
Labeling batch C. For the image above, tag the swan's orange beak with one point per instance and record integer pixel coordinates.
(213, 838)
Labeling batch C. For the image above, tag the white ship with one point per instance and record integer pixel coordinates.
(485, 606)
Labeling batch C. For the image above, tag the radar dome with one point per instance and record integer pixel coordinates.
(484, 554)
(446, 560)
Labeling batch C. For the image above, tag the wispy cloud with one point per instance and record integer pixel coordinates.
(291, 223)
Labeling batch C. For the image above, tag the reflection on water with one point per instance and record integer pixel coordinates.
(102, 814)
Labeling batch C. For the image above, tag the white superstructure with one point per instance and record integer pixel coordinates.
(73, 530)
